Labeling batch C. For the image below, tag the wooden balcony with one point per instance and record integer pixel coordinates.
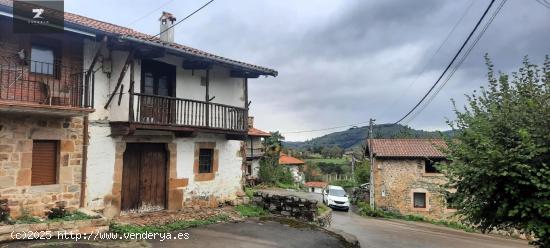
(183, 116)
(255, 152)
(44, 88)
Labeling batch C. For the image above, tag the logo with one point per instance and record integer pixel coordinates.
(38, 16)
(38, 13)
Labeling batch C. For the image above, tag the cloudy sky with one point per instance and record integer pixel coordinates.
(345, 61)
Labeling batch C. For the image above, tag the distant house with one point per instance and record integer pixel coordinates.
(315, 187)
(296, 166)
(255, 150)
(406, 179)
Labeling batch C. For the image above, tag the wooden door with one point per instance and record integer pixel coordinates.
(144, 176)
(158, 86)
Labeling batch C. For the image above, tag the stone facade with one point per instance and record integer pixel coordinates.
(288, 206)
(397, 179)
(17, 133)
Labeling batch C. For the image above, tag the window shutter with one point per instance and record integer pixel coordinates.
(44, 162)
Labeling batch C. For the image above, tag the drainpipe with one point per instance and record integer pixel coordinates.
(84, 162)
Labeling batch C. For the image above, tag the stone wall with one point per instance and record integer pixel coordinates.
(397, 179)
(17, 133)
(287, 205)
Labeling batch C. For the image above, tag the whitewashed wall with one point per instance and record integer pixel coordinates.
(101, 161)
(228, 178)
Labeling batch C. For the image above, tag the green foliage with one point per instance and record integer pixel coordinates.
(333, 151)
(250, 211)
(72, 216)
(27, 218)
(501, 157)
(354, 137)
(172, 226)
(331, 168)
(344, 183)
(362, 172)
(312, 172)
(249, 192)
(322, 208)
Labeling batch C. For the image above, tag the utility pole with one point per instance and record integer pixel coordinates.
(352, 165)
(372, 167)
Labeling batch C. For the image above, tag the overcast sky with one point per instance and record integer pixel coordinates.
(345, 61)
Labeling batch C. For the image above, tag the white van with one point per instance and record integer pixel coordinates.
(336, 197)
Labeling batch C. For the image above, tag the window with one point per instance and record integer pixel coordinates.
(206, 160)
(430, 166)
(419, 200)
(44, 162)
(42, 60)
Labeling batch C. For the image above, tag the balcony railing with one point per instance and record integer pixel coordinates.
(47, 84)
(255, 152)
(163, 110)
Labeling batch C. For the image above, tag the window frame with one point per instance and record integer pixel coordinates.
(425, 200)
(210, 157)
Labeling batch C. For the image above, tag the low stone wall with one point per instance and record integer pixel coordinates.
(287, 205)
(53, 230)
(324, 219)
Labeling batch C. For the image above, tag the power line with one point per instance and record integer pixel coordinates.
(149, 13)
(450, 64)
(185, 18)
(463, 58)
(544, 3)
(432, 57)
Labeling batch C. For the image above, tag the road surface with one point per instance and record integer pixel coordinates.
(375, 232)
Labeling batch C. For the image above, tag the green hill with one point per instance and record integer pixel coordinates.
(355, 136)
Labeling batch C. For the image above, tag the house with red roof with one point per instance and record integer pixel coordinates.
(295, 165)
(316, 187)
(104, 117)
(406, 178)
(255, 150)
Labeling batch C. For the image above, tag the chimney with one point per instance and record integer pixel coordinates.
(250, 121)
(166, 21)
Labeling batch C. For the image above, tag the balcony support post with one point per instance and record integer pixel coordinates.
(207, 106)
(129, 59)
(131, 94)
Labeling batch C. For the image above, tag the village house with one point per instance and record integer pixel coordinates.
(406, 179)
(316, 187)
(255, 150)
(294, 165)
(104, 117)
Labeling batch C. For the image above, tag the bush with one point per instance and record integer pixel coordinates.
(362, 173)
(344, 183)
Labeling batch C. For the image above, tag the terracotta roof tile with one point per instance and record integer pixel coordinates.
(288, 160)
(257, 132)
(316, 184)
(408, 148)
(123, 32)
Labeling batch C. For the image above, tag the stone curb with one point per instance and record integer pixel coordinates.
(350, 239)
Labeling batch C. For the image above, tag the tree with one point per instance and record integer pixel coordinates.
(362, 172)
(500, 156)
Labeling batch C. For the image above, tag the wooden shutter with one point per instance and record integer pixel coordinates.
(44, 162)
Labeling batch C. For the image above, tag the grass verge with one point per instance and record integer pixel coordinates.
(322, 208)
(366, 210)
(250, 210)
(169, 227)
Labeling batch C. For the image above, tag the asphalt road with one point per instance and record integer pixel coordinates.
(253, 234)
(375, 232)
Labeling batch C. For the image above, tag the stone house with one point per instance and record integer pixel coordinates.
(104, 117)
(405, 178)
(296, 167)
(255, 150)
